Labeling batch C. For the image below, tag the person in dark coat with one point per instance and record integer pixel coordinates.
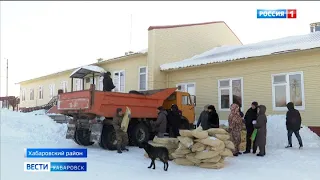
(293, 123)
(213, 117)
(250, 116)
(174, 121)
(203, 118)
(261, 125)
(160, 125)
(107, 82)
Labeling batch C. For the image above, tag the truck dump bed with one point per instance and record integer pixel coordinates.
(142, 104)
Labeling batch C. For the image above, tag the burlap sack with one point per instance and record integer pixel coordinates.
(211, 141)
(165, 140)
(186, 141)
(223, 137)
(200, 134)
(220, 148)
(168, 146)
(242, 146)
(212, 160)
(185, 133)
(214, 131)
(206, 154)
(182, 151)
(183, 162)
(175, 156)
(171, 151)
(211, 165)
(198, 147)
(226, 153)
(191, 157)
(229, 145)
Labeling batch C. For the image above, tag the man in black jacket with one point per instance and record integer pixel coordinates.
(213, 117)
(293, 123)
(250, 116)
(107, 82)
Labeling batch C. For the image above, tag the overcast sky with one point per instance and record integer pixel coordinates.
(40, 38)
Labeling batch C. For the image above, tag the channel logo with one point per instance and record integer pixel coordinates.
(55, 166)
(276, 14)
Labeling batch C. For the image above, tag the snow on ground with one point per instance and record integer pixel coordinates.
(19, 130)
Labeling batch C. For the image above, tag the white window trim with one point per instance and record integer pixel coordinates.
(62, 86)
(51, 88)
(184, 84)
(146, 73)
(23, 94)
(124, 79)
(287, 91)
(41, 92)
(230, 92)
(30, 94)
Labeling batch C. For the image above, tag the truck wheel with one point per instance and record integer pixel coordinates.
(75, 139)
(108, 138)
(140, 133)
(82, 136)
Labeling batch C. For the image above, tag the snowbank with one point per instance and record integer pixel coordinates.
(30, 128)
(277, 134)
(38, 112)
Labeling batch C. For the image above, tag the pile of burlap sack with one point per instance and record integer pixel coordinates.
(206, 149)
(242, 146)
(170, 143)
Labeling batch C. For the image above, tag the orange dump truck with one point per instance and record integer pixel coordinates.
(93, 110)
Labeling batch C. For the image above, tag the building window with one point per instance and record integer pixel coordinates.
(78, 85)
(230, 91)
(40, 92)
(31, 94)
(143, 78)
(64, 86)
(189, 88)
(23, 94)
(119, 81)
(100, 83)
(51, 90)
(287, 87)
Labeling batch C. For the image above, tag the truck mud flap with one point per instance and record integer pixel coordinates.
(96, 130)
(71, 131)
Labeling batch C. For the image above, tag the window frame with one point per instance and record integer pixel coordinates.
(40, 89)
(51, 88)
(124, 79)
(230, 92)
(23, 94)
(64, 83)
(287, 84)
(139, 78)
(32, 94)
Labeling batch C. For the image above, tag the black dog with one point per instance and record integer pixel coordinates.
(156, 152)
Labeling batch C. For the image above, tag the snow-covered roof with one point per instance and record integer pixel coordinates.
(236, 52)
(81, 72)
(143, 51)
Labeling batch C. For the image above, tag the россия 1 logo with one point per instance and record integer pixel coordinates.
(276, 14)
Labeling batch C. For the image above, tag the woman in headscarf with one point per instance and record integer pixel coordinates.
(235, 126)
(174, 121)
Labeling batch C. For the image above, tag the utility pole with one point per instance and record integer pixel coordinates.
(130, 33)
(7, 77)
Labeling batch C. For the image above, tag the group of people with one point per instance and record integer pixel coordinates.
(255, 118)
(170, 119)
